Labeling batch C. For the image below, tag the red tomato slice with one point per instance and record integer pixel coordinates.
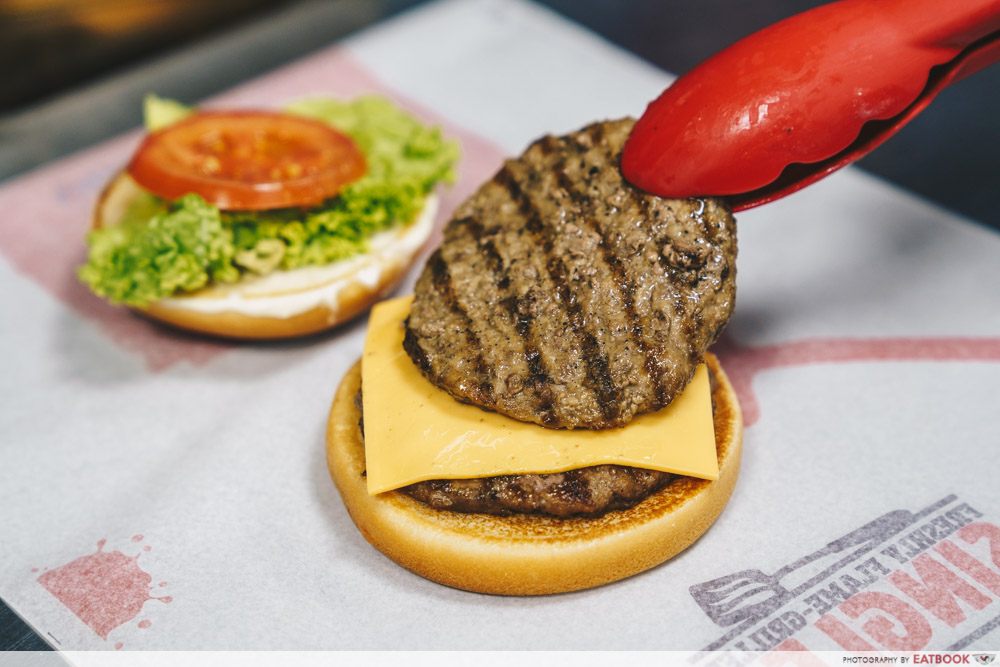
(249, 160)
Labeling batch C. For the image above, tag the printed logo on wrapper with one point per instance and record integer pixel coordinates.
(104, 589)
(897, 583)
(984, 658)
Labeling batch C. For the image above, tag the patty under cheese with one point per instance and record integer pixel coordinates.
(415, 431)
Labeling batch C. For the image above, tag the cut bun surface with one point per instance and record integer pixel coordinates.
(283, 304)
(531, 554)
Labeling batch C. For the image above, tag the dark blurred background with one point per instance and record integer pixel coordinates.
(50, 46)
(47, 46)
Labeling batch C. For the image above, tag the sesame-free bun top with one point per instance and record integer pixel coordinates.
(283, 304)
(531, 554)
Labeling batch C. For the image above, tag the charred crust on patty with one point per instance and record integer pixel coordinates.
(563, 296)
(584, 492)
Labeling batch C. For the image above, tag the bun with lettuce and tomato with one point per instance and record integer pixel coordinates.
(263, 224)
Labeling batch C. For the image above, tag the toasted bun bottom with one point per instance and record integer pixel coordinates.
(528, 554)
(332, 298)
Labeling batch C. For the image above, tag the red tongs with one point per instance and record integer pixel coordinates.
(792, 103)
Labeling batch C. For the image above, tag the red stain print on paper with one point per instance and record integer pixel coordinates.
(743, 363)
(105, 589)
(63, 195)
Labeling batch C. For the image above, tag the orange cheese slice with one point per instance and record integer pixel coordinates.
(415, 431)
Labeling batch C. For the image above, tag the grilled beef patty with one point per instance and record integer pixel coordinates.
(582, 492)
(590, 491)
(564, 296)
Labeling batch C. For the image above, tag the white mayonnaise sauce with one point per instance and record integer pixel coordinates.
(285, 294)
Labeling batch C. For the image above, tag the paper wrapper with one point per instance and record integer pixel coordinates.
(163, 491)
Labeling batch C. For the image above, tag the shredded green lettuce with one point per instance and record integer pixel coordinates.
(159, 112)
(163, 248)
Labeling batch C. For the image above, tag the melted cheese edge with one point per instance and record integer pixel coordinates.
(415, 431)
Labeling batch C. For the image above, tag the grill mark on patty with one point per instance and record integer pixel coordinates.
(539, 376)
(596, 366)
(583, 492)
(642, 202)
(611, 253)
(413, 348)
(596, 133)
(523, 321)
(489, 251)
(442, 280)
(547, 144)
(638, 199)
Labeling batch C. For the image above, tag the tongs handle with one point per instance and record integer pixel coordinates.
(789, 104)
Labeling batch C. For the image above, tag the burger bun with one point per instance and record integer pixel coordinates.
(282, 304)
(531, 554)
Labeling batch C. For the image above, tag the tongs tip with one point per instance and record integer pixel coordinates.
(790, 104)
